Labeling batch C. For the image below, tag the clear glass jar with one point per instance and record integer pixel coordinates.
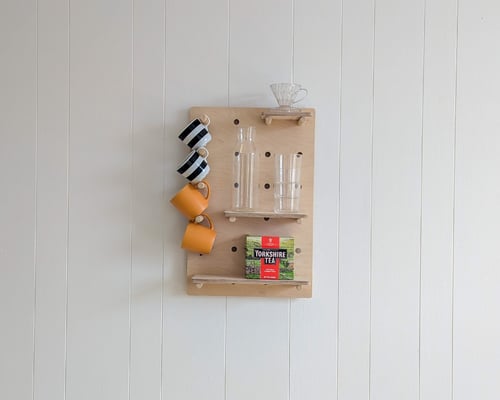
(245, 171)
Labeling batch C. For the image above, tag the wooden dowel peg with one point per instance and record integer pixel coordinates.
(202, 151)
(205, 119)
(198, 219)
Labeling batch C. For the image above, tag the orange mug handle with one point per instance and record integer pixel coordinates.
(204, 185)
(205, 216)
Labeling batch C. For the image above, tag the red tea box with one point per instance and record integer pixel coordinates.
(269, 257)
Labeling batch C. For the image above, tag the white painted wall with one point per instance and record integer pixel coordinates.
(406, 277)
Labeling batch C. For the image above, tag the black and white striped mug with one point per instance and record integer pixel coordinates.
(196, 135)
(195, 167)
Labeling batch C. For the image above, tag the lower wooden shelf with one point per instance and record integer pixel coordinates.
(200, 280)
(224, 285)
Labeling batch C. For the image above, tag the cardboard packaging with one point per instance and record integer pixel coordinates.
(269, 257)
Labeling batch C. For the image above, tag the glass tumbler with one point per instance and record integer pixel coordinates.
(287, 183)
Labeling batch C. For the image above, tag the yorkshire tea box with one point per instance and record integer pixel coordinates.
(269, 257)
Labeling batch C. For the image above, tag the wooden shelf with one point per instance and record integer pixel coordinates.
(293, 114)
(233, 215)
(200, 280)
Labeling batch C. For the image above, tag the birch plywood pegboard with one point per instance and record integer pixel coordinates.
(222, 271)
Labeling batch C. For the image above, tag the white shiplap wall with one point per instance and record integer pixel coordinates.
(92, 298)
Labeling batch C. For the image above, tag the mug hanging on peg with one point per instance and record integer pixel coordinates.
(196, 135)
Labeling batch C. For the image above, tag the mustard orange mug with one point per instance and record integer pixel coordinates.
(190, 201)
(199, 238)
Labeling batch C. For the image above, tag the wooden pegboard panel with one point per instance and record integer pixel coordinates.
(228, 255)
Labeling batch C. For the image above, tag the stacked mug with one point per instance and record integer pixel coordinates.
(192, 199)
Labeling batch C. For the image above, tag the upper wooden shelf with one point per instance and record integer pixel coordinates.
(293, 114)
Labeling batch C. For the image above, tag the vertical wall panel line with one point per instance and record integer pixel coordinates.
(225, 347)
(68, 161)
(292, 69)
(35, 231)
(371, 200)
(131, 204)
(289, 349)
(339, 189)
(164, 196)
(454, 209)
(228, 51)
(421, 212)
